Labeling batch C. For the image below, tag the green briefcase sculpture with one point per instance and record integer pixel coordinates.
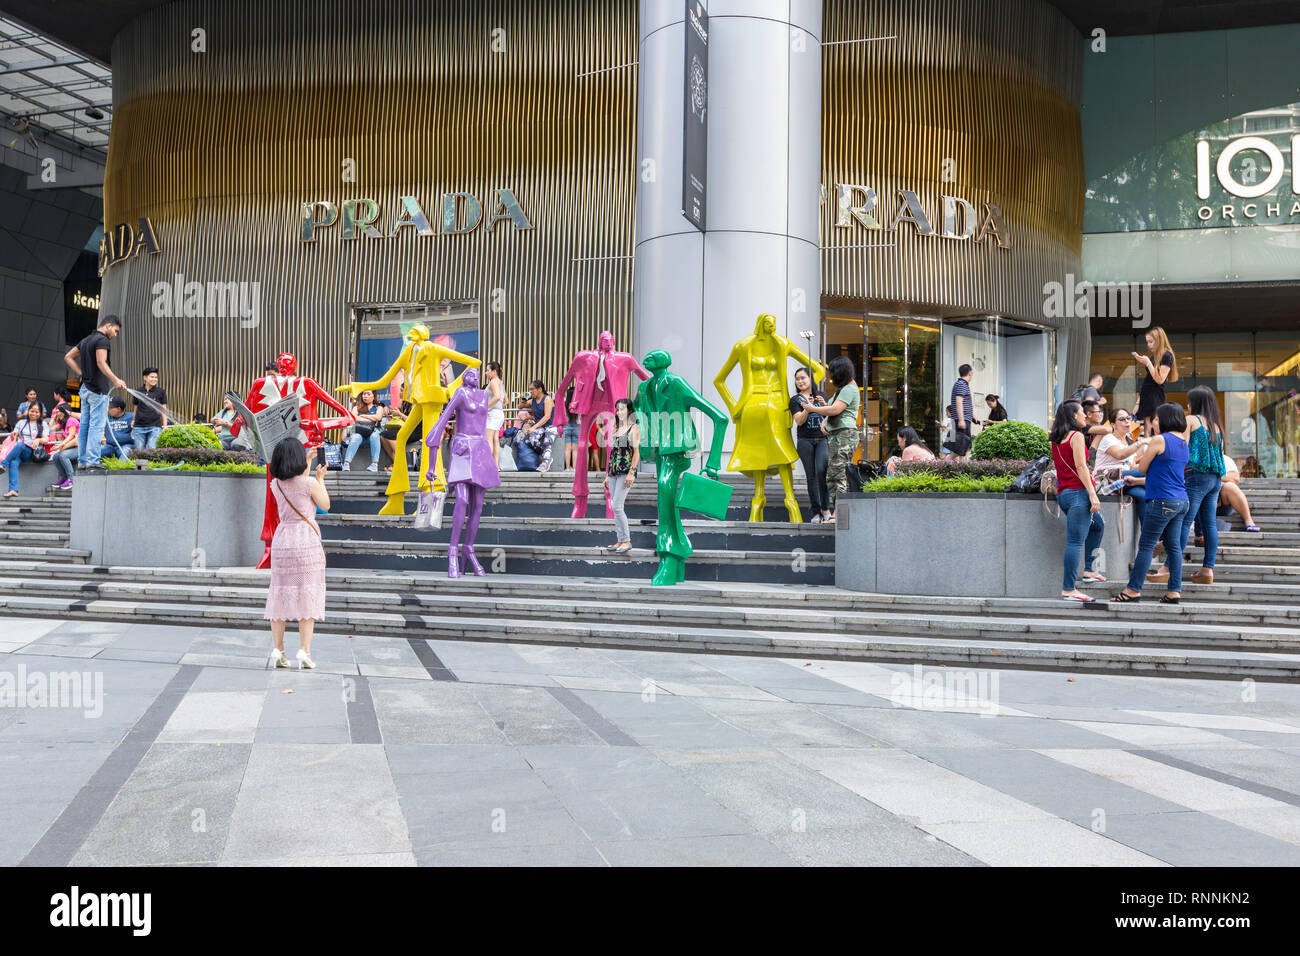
(704, 495)
(663, 408)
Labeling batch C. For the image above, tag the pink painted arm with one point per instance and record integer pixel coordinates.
(561, 416)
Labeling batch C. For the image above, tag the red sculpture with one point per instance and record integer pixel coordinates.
(268, 390)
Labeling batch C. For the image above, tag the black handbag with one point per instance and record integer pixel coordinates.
(41, 453)
(1030, 480)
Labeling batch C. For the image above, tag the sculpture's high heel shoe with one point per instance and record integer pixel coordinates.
(472, 560)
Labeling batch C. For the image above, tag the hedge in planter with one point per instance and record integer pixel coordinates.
(993, 468)
(930, 483)
(1020, 441)
(188, 436)
(197, 456)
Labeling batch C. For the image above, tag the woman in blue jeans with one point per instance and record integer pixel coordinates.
(368, 428)
(28, 434)
(1077, 497)
(1204, 479)
(1163, 462)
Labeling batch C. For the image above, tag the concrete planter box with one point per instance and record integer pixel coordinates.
(1000, 545)
(163, 518)
(34, 479)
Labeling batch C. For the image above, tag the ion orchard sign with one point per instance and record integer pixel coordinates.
(461, 214)
(1249, 186)
(959, 218)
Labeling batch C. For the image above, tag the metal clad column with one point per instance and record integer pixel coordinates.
(697, 294)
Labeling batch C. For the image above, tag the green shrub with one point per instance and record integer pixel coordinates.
(932, 483)
(188, 436)
(222, 467)
(196, 456)
(992, 468)
(1019, 441)
(114, 463)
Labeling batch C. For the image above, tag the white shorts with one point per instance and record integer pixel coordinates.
(495, 419)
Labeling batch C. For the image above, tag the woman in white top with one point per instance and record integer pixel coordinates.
(29, 434)
(496, 416)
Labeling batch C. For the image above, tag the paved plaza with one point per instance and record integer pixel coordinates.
(401, 752)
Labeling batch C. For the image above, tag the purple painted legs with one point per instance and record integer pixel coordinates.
(469, 505)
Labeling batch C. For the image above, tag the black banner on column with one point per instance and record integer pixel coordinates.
(695, 132)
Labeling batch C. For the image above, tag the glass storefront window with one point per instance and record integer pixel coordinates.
(1276, 410)
(379, 333)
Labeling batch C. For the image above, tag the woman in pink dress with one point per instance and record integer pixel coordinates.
(297, 590)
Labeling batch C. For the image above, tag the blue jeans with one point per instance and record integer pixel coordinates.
(145, 437)
(355, 442)
(20, 453)
(1083, 531)
(66, 462)
(1137, 492)
(94, 418)
(1202, 503)
(1162, 520)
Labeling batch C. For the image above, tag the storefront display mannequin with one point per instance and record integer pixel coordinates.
(268, 390)
(600, 377)
(421, 363)
(762, 411)
(471, 470)
(663, 409)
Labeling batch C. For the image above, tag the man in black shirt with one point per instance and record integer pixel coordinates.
(148, 421)
(88, 360)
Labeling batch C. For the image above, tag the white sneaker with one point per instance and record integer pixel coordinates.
(278, 658)
(373, 466)
(347, 466)
(816, 519)
(304, 660)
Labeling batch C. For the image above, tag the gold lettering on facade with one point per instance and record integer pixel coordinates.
(846, 212)
(909, 210)
(508, 208)
(358, 214)
(411, 214)
(310, 222)
(123, 242)
(451, 203)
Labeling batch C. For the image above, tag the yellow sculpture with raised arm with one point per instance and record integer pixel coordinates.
(421, 364)
(762, 411)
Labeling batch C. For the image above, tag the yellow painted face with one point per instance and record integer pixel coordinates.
(417, 334)
(766, 324)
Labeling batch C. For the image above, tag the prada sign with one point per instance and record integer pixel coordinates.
(460, 213)
(957, 218)
(124, 242)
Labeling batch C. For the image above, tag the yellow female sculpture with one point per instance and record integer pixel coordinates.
(762, 411)
(421, 360)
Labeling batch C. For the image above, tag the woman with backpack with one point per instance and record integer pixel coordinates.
(1077, 497)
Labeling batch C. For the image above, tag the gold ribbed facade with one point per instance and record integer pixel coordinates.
(221, 148)
(977, 99)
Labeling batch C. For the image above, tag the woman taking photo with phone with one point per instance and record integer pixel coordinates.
(297, 591)
(814, 450)
(1163, 462)
(1077, 498)
(1162, 367)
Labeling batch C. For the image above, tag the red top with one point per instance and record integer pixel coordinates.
(1067, 476)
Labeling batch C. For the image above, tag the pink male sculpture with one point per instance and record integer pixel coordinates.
(600, 378)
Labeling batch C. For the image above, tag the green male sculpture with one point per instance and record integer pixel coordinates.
(663, 407)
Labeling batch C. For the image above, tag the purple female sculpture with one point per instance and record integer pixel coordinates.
(600, 378)
(471, 470)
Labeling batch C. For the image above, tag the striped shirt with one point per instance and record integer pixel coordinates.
(961, 390)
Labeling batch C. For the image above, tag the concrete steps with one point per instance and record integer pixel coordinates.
(1230, 641)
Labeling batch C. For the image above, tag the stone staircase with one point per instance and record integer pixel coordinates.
(386, 579)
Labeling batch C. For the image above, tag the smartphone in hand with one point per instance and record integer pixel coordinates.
(320, 456)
